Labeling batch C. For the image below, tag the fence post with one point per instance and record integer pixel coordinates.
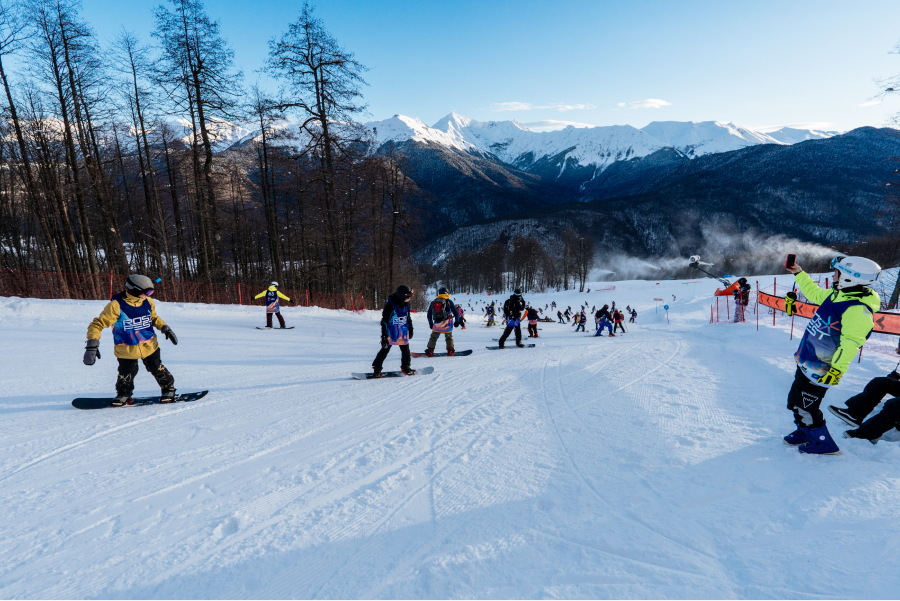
(240, 300)
(727, 310)
(757, 305)
(307, 297)
(775, 292)
(110, 284)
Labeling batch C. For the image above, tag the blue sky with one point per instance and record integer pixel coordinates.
(757, 63)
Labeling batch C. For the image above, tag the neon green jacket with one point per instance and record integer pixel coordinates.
(838, 329)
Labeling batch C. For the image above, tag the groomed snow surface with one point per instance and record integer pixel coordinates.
(649, 465)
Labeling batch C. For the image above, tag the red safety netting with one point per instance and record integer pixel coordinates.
(85, 286)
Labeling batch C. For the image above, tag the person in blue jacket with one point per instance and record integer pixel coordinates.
(443, 315)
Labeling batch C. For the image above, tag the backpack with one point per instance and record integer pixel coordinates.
(439, 310)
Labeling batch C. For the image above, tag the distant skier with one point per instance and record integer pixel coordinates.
(559, 316)
(553, 305)
(567, 313)
(491, 311)
(633, 316)
(581, 320)
(618, 320)
(861, 405)
(132, 316)
(272, 295)
(741, 299)
(396, 329)
(513, 310)
(442, 316)
(532, 323)
(833, 337)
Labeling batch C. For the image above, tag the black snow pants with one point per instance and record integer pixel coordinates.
(508, 331)
(865, 402)
(804, 400)
(405, 359)
(269, 319)
(128, 369)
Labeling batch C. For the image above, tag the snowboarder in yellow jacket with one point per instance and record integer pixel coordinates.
(132, 316)
(833, 337)
(272, 295)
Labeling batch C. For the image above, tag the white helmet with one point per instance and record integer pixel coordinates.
(274, 284)
(855, 271)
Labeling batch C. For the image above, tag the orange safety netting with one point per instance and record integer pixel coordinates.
(86, 286)
(885, 323)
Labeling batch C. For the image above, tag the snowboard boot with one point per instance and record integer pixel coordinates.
(611, 335)
(376, 372)
(407, 370)
(797, 437)
(429, 352)
(855, 434)
(844, 414)
(122, 400)
(451, 352)
(519, 344)
(167, 396)
(822, 443)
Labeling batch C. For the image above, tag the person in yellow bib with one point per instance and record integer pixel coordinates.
(272, 307)
(132, 316)
(833, 337)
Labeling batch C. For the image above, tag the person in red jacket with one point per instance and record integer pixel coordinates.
(618, 319)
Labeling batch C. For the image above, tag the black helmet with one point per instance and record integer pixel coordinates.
(137, 285)
(403, 291)
(517, 292)
(443, 291)
(742, 281)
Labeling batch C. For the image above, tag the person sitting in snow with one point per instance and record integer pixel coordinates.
(833, 337)
(860, 406)
(272, 307)
(132, 316)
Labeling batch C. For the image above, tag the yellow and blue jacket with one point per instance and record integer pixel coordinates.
(272, 295)
(132, 320)
(839, 328)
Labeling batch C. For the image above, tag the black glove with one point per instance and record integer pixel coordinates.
(170, 335)
(384, 342)
(91, 351)
(456, 324)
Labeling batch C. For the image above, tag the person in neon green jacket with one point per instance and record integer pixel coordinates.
(272, 295)
(833, 337)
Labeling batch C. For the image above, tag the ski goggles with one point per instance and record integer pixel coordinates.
(835, 261)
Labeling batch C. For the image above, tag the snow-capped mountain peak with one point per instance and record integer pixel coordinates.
(696, 138)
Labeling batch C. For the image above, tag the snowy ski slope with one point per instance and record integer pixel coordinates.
(649, 465)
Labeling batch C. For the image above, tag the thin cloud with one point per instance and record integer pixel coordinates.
(650, 103)
(527, 106)
(553, 125)
(871, 103)
(816, 125)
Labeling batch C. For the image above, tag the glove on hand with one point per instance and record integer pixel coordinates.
(91, 352)
(384, 343)
(832, 378)
(456, 324)
(789, 299)
(170, 335)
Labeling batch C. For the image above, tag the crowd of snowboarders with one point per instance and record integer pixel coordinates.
(843, 321)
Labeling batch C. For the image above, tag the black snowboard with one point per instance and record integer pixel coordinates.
(392, 374)
(458, 354)
(497, 348)
(149, 400)
(278, 328)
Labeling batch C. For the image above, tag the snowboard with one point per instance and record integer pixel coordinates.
(497, 348)
(392, 374)
(458, 354)
(278, 328)
(93, 403)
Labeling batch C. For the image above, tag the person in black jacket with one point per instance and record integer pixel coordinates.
(396, 329)
(512, 312)
(861, 405)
